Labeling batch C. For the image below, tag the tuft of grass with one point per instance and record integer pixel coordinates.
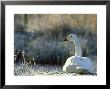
(23, 69)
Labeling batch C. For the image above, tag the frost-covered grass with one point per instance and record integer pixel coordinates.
(42, 70)
(46, 49)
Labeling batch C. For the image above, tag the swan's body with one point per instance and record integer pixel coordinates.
(77, 63)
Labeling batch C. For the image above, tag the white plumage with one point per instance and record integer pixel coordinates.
(77, 64)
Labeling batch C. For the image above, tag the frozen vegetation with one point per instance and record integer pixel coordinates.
(42, 70)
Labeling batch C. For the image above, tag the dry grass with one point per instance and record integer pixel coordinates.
(50, 21)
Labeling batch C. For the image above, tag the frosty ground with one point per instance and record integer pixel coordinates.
(42, 70)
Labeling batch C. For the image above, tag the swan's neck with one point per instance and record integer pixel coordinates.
(77, 47)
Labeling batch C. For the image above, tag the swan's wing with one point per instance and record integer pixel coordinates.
(84, 62)
(78, 64)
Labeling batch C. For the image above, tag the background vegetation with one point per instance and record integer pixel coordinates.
(41, 36)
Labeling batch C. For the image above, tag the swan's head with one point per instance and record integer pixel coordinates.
(70, 37)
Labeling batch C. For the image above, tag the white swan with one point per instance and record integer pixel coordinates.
(77, 63)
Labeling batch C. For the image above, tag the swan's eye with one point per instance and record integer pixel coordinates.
(70, 36)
